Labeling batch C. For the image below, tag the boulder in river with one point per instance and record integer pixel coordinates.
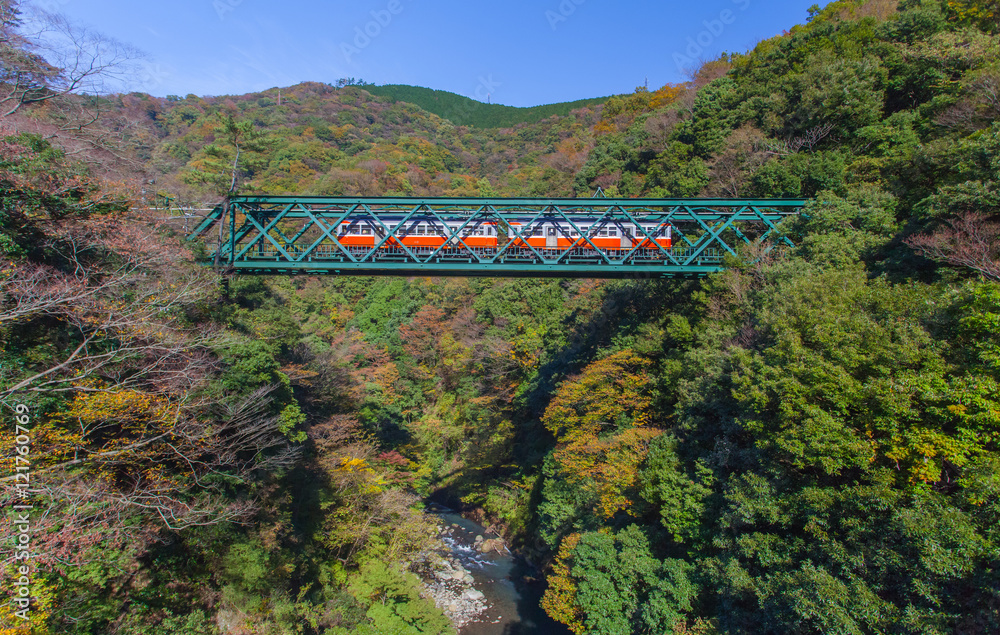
(491, 545)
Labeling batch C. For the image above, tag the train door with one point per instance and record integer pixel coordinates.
(626, 238)
(552, 238)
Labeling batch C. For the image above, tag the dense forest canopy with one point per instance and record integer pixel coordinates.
(806, 444)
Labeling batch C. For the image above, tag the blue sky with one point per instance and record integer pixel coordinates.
(518, 52)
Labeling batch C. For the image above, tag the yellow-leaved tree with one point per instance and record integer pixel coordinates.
(601, 420)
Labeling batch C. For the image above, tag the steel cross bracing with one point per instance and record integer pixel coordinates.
(589, 238)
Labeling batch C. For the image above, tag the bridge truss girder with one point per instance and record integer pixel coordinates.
(298, 235)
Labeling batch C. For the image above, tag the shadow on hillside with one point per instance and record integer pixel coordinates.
(624, 310)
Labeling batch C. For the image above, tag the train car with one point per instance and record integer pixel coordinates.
(432, 234)
(356, 234)
(420, 233)
(662, 235)
(586, 235)
(482, 235)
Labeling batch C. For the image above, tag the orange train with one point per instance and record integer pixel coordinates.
(428, 233)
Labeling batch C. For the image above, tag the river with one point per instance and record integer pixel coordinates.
(513, 600)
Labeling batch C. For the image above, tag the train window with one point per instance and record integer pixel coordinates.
(612, 232)
(354, 231)
(366, 231)
(604, 232)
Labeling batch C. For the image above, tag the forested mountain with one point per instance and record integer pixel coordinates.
(464, 111)
(330, 141)
(807, 444)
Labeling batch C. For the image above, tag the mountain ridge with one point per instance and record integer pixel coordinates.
(465, 111)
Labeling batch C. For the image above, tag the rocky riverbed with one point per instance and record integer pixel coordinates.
(447, 577)
(479, 584)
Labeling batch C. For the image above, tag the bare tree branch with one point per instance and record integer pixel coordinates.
(971, 241)
(807, 141)
(44, 57)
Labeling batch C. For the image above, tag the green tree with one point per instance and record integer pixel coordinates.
(395, 605)
(227, 162)
(616, 586)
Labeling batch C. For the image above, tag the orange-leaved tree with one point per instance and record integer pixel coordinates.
(601, 420)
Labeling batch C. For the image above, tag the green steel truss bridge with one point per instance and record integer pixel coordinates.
(495, 237)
